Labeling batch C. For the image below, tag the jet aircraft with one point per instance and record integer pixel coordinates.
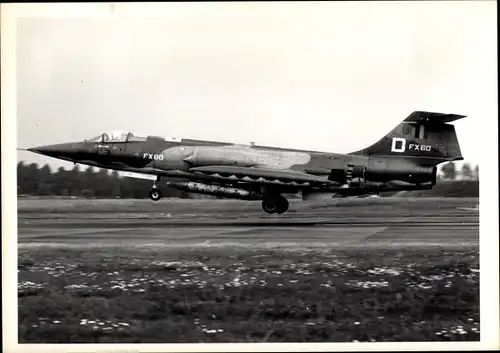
(406, 158)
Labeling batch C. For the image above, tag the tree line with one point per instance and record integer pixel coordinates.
(449, 171)
(42, 181)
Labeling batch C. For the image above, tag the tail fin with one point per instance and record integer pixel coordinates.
(424, 136)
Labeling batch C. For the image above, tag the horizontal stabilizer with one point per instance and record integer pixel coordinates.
(255, 173)
(438, 118)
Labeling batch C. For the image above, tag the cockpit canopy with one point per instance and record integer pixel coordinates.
(116, 136)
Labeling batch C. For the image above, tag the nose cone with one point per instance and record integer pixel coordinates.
(62, 150)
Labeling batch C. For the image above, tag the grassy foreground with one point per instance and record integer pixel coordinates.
(123, 295)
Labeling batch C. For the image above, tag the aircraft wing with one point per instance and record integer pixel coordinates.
(262, 175)
(136, 175)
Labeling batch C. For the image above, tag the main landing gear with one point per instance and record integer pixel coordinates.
(275, 204)
(155, 193)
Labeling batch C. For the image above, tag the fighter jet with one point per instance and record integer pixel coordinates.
(406, 158)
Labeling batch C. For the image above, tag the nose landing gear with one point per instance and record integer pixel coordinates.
(155, 193)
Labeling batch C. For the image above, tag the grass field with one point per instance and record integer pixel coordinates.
(229, 295)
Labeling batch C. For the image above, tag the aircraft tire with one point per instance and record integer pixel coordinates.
(155, 194)
(282, 205)
(269, 206)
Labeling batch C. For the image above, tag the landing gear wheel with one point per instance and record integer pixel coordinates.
(269, 206)
(275, 205)
(155, 194)
(281, 205)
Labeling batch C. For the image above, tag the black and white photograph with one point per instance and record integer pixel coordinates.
(247, 176)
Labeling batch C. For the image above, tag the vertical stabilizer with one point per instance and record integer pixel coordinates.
(424, 137)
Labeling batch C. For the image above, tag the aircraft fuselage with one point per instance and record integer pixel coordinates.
(404, 159)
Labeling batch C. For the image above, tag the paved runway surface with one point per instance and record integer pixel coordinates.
(450, 224)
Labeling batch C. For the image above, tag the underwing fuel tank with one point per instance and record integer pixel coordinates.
(216, 190)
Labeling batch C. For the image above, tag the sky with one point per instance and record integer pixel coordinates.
(328, 76)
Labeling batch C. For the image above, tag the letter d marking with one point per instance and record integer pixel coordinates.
(398, 147)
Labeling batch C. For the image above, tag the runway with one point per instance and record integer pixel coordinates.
(413, 224)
